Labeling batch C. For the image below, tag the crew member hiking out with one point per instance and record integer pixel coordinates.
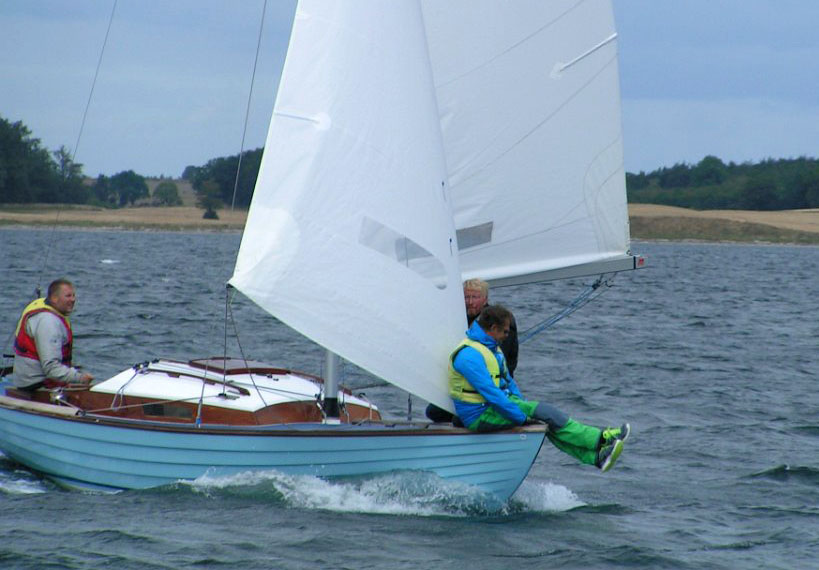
(487, 398)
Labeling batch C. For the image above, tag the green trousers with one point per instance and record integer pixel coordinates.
(578, 440)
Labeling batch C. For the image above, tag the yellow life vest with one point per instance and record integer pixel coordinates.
(459, 386)
(25, 346)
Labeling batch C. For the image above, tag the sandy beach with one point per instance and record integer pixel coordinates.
(648, 221)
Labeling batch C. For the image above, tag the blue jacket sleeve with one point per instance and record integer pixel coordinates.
(471, 365)
(513, 388)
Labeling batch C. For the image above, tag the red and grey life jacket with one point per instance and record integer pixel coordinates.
(25, 346)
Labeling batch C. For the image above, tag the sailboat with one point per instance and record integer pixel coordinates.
(413, 144)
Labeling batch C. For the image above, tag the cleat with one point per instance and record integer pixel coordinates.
(607, 456)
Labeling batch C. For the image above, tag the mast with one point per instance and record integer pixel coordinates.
(332, 366)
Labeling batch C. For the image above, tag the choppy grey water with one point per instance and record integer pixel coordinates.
(710, 353)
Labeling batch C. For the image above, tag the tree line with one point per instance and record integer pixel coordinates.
(217, 184)
(784, 184)
(30, 173)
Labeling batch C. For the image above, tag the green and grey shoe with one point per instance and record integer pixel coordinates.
(610, 434)
(607, 456)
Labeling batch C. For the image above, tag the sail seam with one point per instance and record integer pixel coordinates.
(537, 127)
(511, 47)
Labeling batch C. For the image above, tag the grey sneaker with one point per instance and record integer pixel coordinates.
(610, 434)
(607, 456)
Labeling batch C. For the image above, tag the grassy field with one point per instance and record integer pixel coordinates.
(652, 222)
(649, 222)
(147, 218)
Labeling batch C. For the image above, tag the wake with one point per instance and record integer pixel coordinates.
(406, 493)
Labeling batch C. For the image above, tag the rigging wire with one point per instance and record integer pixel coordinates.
(229, 316)
(247, 108)
(591, 292)
(94, 81)
(37, 293)
(77, 144)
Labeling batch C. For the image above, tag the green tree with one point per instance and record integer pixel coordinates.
(222, 171)
(103, 192)
(189, 173)
(809, 185)
(678, 176)
(71, 189)
(27, 173)
(207, 197)
(759, 193)
(637, 181)
(709, 171)
(166, 193)
(129, 186)
(781, 184)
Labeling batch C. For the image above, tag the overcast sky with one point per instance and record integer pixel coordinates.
(738, 79)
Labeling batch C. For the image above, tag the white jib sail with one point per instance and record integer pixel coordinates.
(528, 94)
(350, 238)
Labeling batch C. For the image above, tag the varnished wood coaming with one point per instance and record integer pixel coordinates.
(186, 412)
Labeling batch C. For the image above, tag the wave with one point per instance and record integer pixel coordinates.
(404, 493)
(14, 481)
(798, 474)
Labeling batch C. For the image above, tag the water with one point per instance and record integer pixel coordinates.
(710, 354)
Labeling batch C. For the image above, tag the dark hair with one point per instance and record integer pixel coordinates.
(492, 315)
(55, 286)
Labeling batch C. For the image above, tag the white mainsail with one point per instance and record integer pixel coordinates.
(350, 238)
(529, 104)
(398, 122)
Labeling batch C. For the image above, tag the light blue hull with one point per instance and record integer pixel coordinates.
(100, 453)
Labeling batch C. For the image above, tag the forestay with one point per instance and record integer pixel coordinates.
(529, 103)
(350, 238)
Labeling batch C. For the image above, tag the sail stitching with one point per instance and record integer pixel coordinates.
(511, 47)
(536, 128)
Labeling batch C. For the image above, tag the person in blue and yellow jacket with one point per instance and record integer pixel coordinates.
(43, 341)
(486, 397)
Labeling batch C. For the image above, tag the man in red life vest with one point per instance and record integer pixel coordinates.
(43, 341)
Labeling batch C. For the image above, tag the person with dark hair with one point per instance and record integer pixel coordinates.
(43, 341)
(487, 398)
(476, 297)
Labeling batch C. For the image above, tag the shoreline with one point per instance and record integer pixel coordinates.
(647, 222)
(172, 218)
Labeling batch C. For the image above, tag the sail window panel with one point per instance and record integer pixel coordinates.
(402, 250)
(474, 235)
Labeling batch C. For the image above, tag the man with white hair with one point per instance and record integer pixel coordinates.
(476, 297)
